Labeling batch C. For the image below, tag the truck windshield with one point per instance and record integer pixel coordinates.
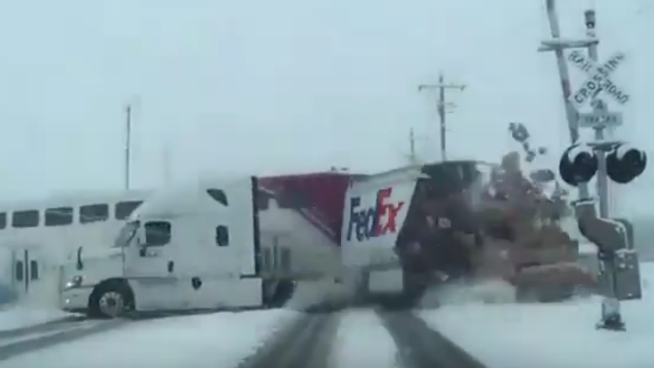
(126, 234)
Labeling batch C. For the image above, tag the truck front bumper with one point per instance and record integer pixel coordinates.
(76, 299)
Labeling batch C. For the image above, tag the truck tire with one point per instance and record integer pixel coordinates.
(283, 292)
(110, 299)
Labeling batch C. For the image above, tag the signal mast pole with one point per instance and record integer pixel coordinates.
(610, 268)
(441, 86)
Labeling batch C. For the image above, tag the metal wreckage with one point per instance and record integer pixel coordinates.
(475, 222)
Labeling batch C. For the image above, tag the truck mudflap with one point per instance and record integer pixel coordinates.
(553, 282)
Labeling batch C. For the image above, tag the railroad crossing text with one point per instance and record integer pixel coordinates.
(599, 77)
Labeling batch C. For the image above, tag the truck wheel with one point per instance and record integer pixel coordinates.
(110, 300)
(283, 293)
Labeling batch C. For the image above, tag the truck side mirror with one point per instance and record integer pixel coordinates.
(79, 265)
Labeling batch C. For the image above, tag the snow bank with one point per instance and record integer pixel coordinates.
(551, 335)
(491, 291)
(215, 340)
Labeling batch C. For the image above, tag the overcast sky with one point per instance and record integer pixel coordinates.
(280, 86)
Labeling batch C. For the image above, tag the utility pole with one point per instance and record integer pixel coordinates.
(412, 157)
(412, 148)
(441, 86)
(128, 145)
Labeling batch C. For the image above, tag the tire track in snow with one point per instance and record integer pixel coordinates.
(33, 339)
(305, 342)
(41, 327)
(419, 346)
(363, 341)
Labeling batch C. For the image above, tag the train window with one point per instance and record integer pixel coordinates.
(222, 236)
(93, 213)
(60, 216)
(18, 271)
(3, 220)
(218, 195)
(157, 233)
(22, 219)
(34, 270)
(124, 209)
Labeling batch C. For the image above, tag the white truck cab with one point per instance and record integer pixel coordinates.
(190, 247)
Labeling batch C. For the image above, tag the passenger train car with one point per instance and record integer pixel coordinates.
(38, 236)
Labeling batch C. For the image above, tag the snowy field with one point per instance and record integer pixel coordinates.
(499, 335)
(192, 341)
(551, 335)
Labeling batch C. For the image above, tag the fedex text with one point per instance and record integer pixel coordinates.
(371, 222)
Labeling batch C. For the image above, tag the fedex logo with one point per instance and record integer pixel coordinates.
(371, 222)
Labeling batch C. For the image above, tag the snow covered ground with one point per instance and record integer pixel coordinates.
(499, 335)
(362, 341)
(15, 317)
(551, 335)
(212, 341)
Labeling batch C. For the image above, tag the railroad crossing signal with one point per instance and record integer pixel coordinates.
(598, 79)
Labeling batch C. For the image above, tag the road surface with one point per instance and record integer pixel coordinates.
(308, 343)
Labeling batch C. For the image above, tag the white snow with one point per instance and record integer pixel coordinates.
(66, 328)
(15, 317)
(551, 335)
(501, 335)
(362, 341)
(212, 341)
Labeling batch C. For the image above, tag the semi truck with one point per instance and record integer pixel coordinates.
(245, 242)
(214, 244)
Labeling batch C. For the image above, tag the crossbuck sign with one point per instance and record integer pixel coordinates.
(598, 78)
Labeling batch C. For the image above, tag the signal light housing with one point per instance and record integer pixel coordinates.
(578, 164)
(625, 163)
